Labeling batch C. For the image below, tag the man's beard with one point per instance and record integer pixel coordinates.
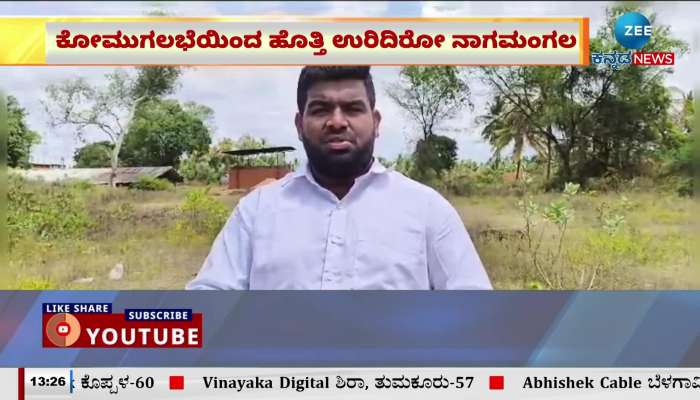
(337, 165)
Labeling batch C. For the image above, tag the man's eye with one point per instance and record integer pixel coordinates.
(355, 109)
(318, 110)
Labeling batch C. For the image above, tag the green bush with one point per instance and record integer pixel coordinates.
(149, 183)
(436, 153)
(47, 211)
(203, 167)
(202, 214)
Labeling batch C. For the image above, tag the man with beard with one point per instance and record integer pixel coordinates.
(342, 220)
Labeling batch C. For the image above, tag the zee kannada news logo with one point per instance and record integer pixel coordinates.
(86, 325)
(633, 31)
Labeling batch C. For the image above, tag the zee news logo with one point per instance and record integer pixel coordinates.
(653, 58)
(633, 31)
(86, 325)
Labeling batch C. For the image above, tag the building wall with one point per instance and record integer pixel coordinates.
(246, 177)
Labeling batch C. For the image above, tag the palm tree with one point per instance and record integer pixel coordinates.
(506, 125)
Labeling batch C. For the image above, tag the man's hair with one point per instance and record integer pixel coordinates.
(311, 75)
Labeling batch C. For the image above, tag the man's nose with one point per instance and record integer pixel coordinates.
(337, 120)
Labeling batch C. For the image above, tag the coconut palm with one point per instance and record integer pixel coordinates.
(506, 125)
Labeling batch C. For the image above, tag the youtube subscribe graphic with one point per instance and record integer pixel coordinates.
(633, 31)
(86, 325)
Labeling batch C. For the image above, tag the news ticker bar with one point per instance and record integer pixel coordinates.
(356, 383)
(293, 40)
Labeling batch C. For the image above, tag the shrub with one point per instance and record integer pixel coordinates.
(203, 167)
(48, 211)
(202, 213)
(149, 183)
(437, 153)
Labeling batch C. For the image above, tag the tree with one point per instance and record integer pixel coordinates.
(20, 138)
(94, 155)
(511, 127)
(435, 152)
(597, 119)
(108, 108)
(162, 132)
(430, 95)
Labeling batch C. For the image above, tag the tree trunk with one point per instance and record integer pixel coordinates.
(517, 170)
(120, 141)
(549, 158)
(565, 162)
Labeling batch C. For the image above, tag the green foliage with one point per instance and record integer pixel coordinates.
(149, 183)
(155, 81)
(203, 167)
(546, 260)
(597, 120)
(249, 142)
(212, 165)
(161, 132)
(508, 125)
(430, 95)
(94, 155)
(110, 108)
(436, 153)
(20, 138)
(202, 214)
(612, 218)
(45, 211)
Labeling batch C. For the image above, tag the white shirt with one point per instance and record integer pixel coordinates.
(388, 232)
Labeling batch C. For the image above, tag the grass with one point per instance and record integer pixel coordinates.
(135, 228)
(655, 250)
(142, 230)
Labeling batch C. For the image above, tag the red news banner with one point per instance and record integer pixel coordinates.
(93, 325)
(300, 41)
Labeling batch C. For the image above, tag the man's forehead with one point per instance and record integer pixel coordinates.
(345, 89)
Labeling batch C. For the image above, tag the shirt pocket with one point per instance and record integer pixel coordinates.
(392, 260)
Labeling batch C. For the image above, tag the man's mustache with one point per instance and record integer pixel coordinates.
(338, 137)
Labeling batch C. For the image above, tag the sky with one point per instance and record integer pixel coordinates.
(261, 101)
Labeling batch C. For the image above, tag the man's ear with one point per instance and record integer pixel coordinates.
(297, 123)
(377, 120)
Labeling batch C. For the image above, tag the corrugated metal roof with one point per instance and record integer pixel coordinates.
(247, 152)
(98, 176)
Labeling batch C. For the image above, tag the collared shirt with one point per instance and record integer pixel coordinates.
(388, 232)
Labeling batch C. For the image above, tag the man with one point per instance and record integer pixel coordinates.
(342, 220)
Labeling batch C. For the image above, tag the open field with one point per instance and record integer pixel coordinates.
(162, 245)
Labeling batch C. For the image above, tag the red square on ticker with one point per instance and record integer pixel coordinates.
(496, 382)
(177, 382)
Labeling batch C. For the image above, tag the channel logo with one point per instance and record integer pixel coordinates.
(94, 325)
(653, 58)
(633, 31)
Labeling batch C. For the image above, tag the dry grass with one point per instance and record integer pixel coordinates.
(655, 250)
(138, 230)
